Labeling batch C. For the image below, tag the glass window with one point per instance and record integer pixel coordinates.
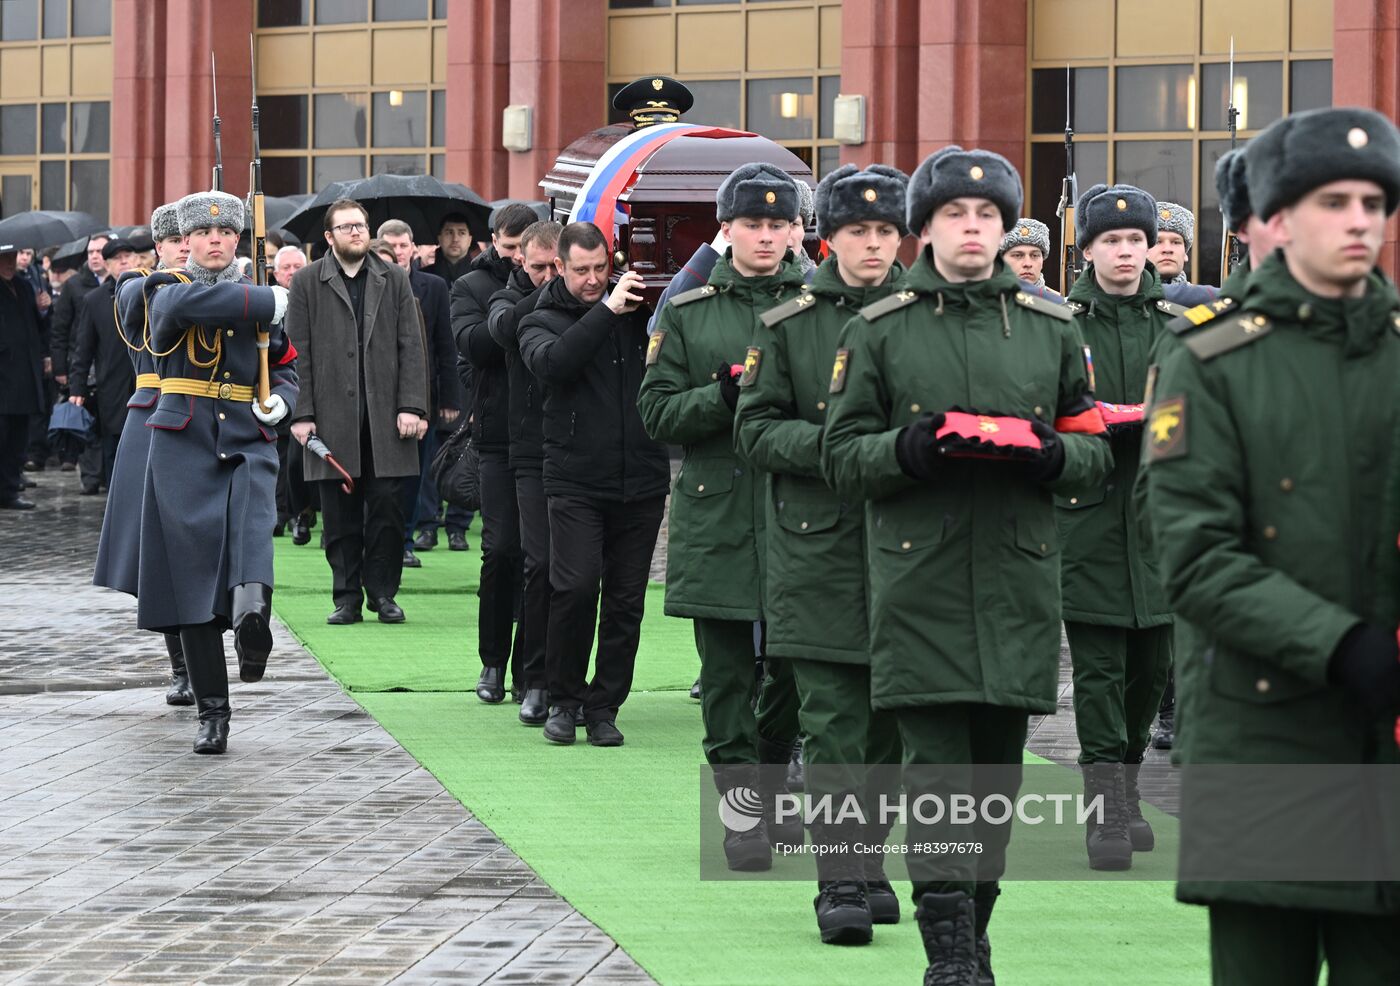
(340, 11)
(53, 128)
(89, 188)
(626, 4)
(398, 164)
(329, 169)
(440, 10)
(829, 86)
(1258, 94)
(1206, 253)
(19, 20)
(1047, 181)
(284, 175)
(716, 104)
(400, 119)
(284, 13)
(340, 120)
(282, 121)
(1155, 97)
(1088, 90)
(55, 21)
(400, 10)
(440, 167)
(1162, 167)
(828, 160)
(782, 109)
(92, 19)
(17, 133)
(439, 117)
(1311, 85)
(91, 128)
(53, 184)
(16, 194)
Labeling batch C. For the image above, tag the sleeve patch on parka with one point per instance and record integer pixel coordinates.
(654, 347)
(751, 361)
(1089, 368)
(838, 371)
(1044, 305)
(1166, 430)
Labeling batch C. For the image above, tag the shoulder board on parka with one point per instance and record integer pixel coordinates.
(1170, 307)
(1194, 318)
(1227, 336)
(892, 303)
(1045, 306)
(1074, 307)
(694, 294)
(789, 308)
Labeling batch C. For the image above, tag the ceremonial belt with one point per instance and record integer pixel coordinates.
(144, 380)
(206, 388)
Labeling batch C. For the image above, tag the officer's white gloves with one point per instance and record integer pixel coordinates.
(276, 406)
(279, 293)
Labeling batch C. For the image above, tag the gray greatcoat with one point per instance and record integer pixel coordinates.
(321, 324)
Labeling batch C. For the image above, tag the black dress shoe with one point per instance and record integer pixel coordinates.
(425, 541)
(490, 687)
(457, 542)
(28, 484)
(301, 531)
(560, 727)
(16, 503)
(534, 709)
(344, 616)
(67, 467)
(252, 629)
(212, 736)
(604, 732)
(410, 560)
(388, 610)
(89, 491)
(695, 690)
(31, 465)
(179, 692)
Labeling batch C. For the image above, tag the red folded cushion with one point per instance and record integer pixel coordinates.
(989, 429)
(1120, 414)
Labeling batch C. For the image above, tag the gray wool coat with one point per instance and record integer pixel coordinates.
(321, 324)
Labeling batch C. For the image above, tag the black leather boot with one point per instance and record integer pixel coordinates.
(773, 760)
(947, 924)
(985, 899)
(884, 902)
(179, 692)
(1139, 829)
(534, 707)
(843, 910)
(204, 659)
(1107, 841)
(490, 685)
(252, 629)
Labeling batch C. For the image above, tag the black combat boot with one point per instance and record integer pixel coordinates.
(1107, 841)
(985, 899)
(773, 758)
(204, 659)
(1139, 831)
(843, 912)
(884, 902)
(746, 844)
(948, 926)
(252, 629)
(179, 692)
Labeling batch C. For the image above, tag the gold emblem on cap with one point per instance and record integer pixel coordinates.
(870, 195)
(1024, 231)
(1357, 137)
(1122, 204)
(976, 172)
(770, 197)
(213, 210)
(656, 84)
(1166, 214)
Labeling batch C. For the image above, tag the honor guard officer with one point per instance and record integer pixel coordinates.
(655, 99)
(1116, 614)
(816, 538)
(210, 497)
(1269, 518)
(118, 548)
(715, 562)
(963, 559)
(1024, 249)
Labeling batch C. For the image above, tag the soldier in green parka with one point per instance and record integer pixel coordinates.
(815, 598)
(716, 556)
(964, 561)
(1266, 453)
(1116, 615)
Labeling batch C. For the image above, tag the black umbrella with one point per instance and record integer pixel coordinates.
(42, 228)
(277, 209)
(419, 200)
(541, 209)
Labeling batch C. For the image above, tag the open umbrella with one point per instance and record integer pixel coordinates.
(541, 209)
(40, 229)
(419, 200)
(277, 209)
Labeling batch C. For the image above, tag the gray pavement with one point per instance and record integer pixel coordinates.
(316, 851)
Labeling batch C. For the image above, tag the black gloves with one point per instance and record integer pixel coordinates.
(728, 385)
(1367, 664)
(916, 448)
(1051, 461)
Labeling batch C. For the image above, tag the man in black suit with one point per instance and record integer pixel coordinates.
(98, 346)
(22, 354)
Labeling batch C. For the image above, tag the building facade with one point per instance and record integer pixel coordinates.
(106, 105)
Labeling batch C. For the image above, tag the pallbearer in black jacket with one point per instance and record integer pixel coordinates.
(210, 499)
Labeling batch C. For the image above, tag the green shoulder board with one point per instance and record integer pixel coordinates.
(1228, 335)
(1193, 318)
(1045, 306)
(884, 306)
(1170, 307)
(787, 309)
(694, 294)
(1074, 307)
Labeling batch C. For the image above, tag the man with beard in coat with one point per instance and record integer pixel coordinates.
(500, 521)
(99, 346)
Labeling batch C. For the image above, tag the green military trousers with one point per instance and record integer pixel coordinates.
(733, 726)
(943, 748)
(1119, 675)
(841, 730)
(1278, 946)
